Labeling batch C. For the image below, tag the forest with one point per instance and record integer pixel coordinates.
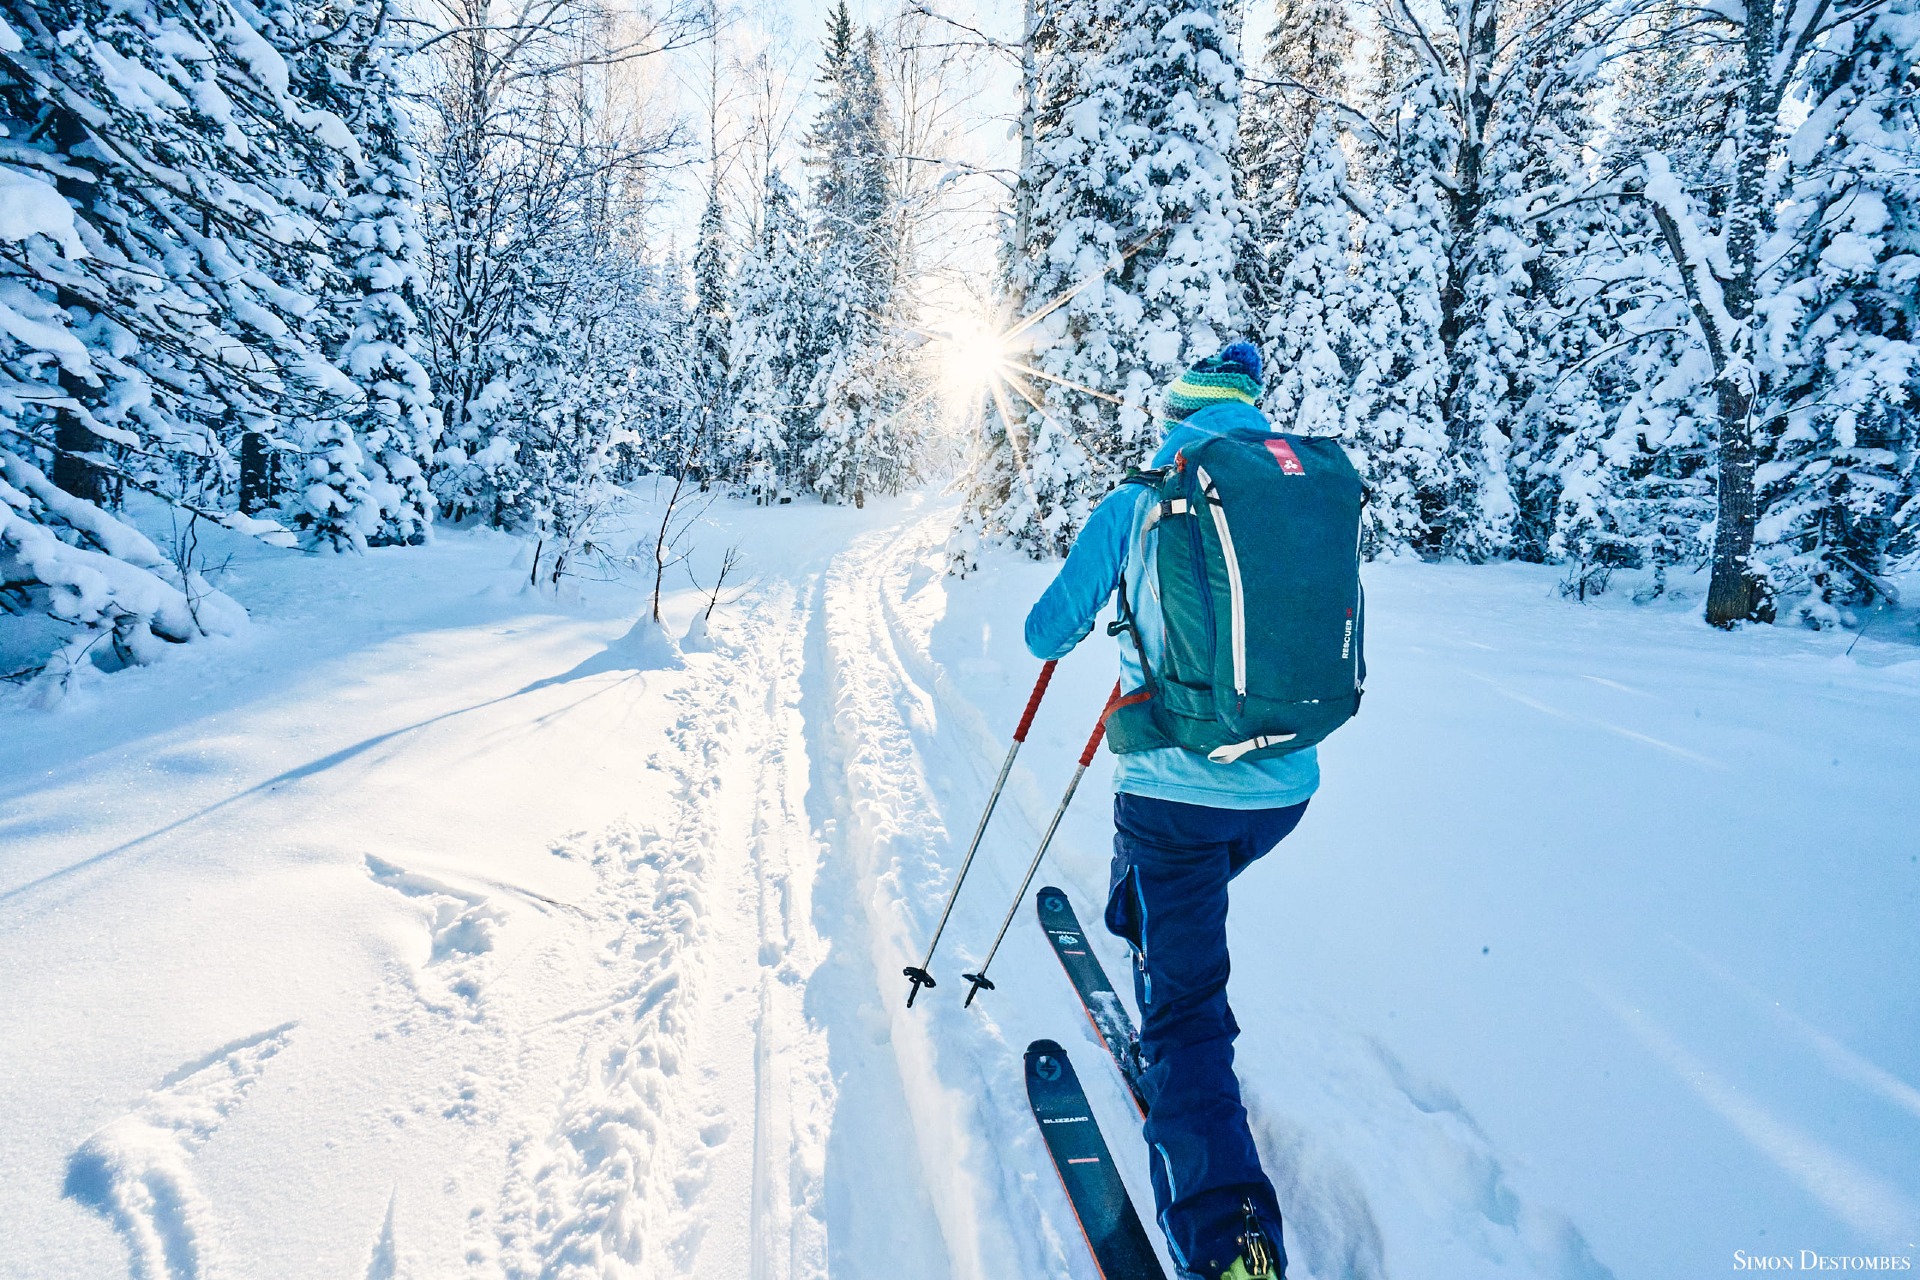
(1614, 285)
(553, 557)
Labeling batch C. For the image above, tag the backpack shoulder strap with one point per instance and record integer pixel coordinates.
(1146, 477)
(1153, 478)
(1130, 721)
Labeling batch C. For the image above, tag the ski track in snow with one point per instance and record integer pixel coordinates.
(699, 1090)
(137, 1173)
(893, 838)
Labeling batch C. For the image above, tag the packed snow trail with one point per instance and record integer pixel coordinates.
(436, 930)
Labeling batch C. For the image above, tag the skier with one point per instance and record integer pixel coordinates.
(1184, 827)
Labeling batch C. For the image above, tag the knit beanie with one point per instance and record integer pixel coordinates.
(1231, 374)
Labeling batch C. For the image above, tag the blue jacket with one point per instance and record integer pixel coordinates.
(1066, 612)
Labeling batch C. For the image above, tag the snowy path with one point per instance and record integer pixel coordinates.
(543, 919)
(437, 932)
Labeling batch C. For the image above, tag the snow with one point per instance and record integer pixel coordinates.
(36, 325)
(429, 927)
(30, 207)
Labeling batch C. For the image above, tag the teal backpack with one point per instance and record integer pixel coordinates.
(1256, 566)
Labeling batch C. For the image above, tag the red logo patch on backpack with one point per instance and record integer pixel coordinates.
(1284, 455)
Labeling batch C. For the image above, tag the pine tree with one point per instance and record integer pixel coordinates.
(1312, 344)
(334, 501)
(1396, 414)
(1135, 231)
(382, 244)
(1840, 492)
(332, 497)
(712, 342)
(849, 151)
(1076, 233)
(1617, 473)
(174, 169)
(1508, 401)
(585, 384)
(775, 354)
(1303, 67)
(1614, 471)
(1480, 132)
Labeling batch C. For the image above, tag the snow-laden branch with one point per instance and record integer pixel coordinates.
(1701, 257)
(1350, 115)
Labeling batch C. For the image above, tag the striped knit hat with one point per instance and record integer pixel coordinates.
(1232, 374)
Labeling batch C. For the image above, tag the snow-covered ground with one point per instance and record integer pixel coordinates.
(429, 928)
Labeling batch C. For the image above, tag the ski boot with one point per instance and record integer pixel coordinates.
(1261, 1258)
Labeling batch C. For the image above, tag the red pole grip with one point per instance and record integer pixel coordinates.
(1033, 700)
(1100, 730)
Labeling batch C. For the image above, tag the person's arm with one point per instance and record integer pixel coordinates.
(1065, 613)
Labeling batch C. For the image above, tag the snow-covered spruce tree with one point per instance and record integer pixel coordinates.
(1617, 474)
(1302, 69)
(1840, 489)
(1022, 474)
(849, 154)
(1311, 338)
(1396, 411)
(398, 425)
(1516, 322)
(712, 343)
(330, 496)
(658, 388)
(1456, 88)
(332, 500)
(775, 355)
(585, 382)
(1628, 480)
(173, 306)
(1135, 224)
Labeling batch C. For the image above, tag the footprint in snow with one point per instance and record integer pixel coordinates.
(1369, 1152)
(136, 1171)
(461, 926)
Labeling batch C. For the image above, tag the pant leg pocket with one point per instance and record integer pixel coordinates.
(1123, 914)
(1126, 919)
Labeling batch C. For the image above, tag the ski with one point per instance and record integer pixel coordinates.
(1097, 996)
(1107, 1219)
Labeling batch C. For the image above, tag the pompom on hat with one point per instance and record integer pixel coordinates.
(1233, 373)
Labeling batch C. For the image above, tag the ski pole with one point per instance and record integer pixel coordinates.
(979, 980)
(917, 975)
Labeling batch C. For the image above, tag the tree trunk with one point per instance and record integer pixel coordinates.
(256, 473)
(1029, 125)
(1734, 593)
(1483, 27)
(71, 469)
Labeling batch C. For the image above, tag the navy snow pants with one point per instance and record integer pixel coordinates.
(1171, 866)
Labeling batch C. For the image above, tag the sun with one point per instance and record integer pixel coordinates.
(973, 356)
